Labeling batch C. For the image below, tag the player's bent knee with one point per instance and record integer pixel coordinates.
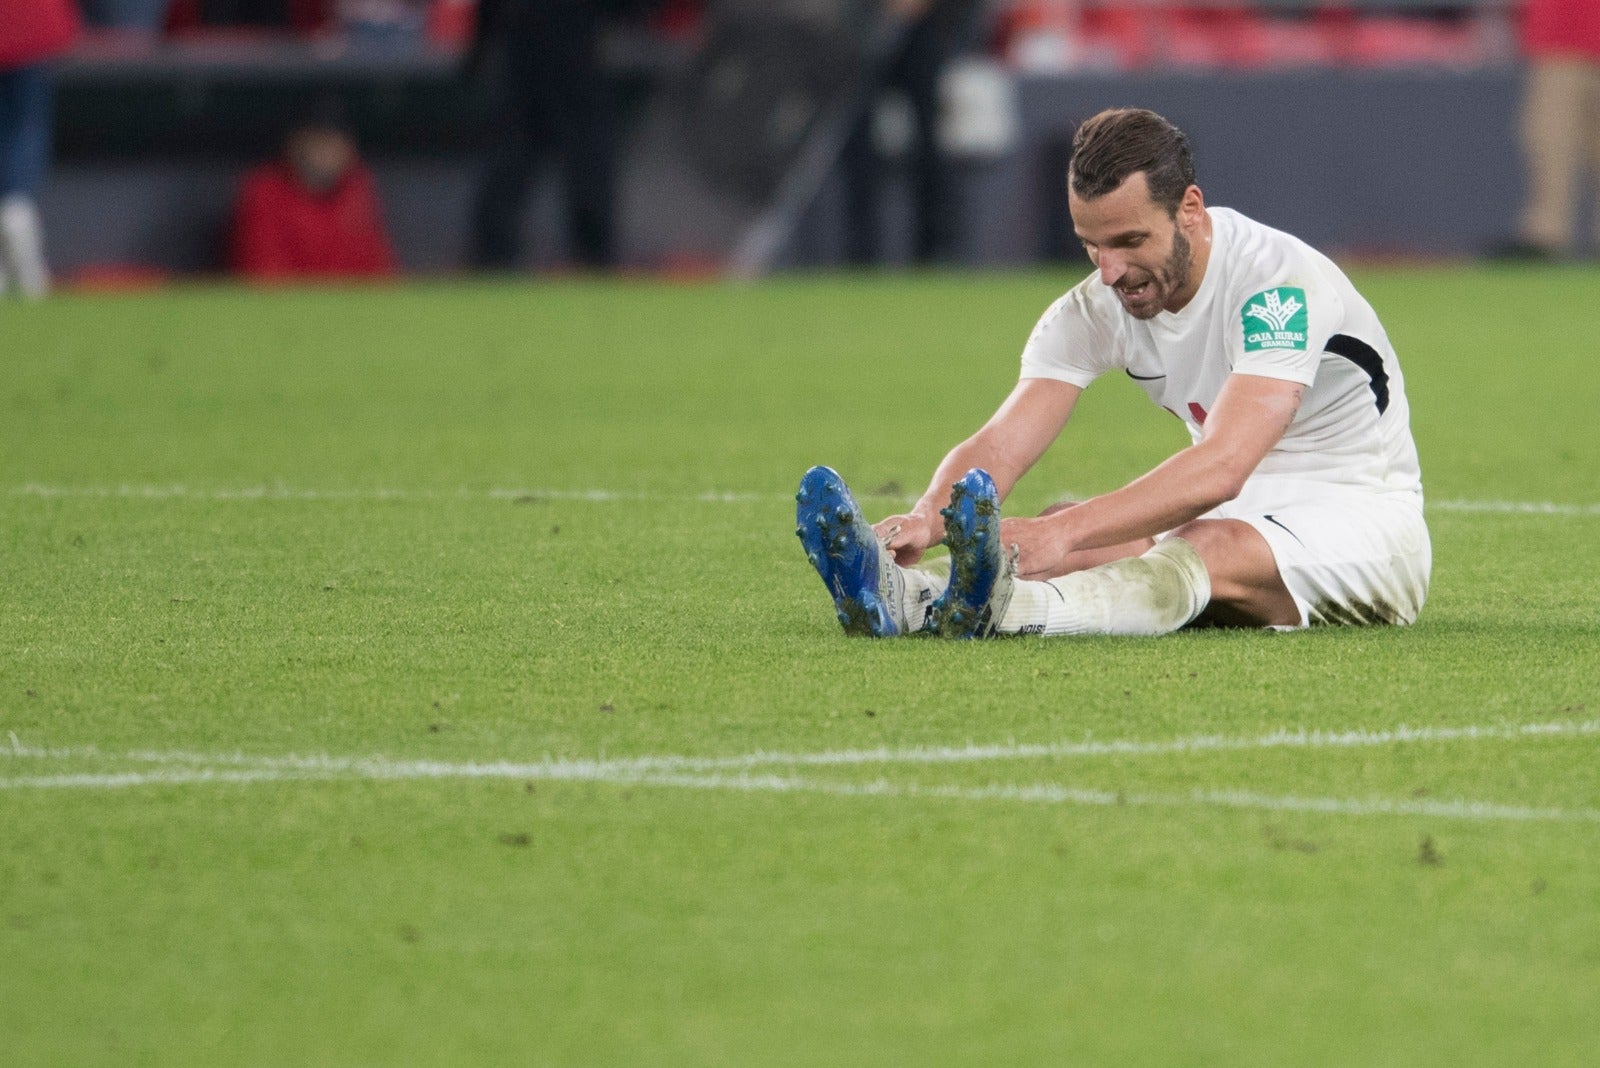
(1246, 588)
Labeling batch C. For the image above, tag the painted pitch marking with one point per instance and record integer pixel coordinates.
(584, 768)
(607, 496)
(741, 773)
(1034, 793)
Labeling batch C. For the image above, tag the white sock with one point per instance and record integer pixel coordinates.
(22, 245)
(923, 585)
(1151, 594)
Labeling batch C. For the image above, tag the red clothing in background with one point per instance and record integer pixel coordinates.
(281, 229)
(35, 30)
(1555, 29)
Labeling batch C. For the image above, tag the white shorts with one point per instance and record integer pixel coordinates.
(1348, 556)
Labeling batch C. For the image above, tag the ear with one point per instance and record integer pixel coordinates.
(1192, 208)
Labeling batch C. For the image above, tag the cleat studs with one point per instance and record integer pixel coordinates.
(799, 532)
(844, 617)
(844, 514)
(840, 541)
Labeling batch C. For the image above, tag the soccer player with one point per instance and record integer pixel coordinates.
(32, 34)
(1298, 503)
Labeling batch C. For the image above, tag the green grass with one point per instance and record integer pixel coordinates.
(351, 523)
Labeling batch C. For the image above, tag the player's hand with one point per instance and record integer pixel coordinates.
(908, 536)
(1040, 547)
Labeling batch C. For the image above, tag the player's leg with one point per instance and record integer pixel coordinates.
(872, 596)
(521, 139)
(1346, 557)
(589, 172)
(1552, 139)
(1246, 587)
(1155, 592)
(1591, 136)
(26, 104)
(10, 128)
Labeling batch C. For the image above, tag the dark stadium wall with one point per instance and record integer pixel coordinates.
(1356, 162)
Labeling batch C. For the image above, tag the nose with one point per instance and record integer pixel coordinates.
(1112, 267)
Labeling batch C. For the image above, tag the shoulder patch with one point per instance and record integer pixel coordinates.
(1275, 319)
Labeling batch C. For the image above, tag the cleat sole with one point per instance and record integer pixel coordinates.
(845, 553)
(972, 521)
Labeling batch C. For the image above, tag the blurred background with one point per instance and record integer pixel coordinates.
(143, 140)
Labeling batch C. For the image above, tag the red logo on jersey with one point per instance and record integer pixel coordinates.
(1195, 410)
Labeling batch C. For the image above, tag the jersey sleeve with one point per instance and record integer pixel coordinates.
(1280, 331)
(1069, 343)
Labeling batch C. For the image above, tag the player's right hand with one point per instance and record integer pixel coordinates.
(908, 536)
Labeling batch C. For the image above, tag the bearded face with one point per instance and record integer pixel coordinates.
(1145, 293)
(1143, 252)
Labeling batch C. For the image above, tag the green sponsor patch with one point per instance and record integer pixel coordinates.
(1275, 319)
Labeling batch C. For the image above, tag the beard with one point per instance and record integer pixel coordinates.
(1164, 281)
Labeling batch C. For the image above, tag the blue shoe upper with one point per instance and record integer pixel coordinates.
(841, 545)
(977, 560)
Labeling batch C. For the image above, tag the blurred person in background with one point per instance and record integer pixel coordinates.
(550, 100)
(933, 32)
(1560, 124)
(314, 212)
(32, 33)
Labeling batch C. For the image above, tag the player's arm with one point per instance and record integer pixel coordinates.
(1251, 415)
(1007, 446)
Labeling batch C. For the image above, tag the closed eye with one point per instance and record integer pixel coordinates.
(1132, 239)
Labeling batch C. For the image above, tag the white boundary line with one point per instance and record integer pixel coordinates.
(1514, 507)
(287, 493)
(736, 772)
(1036, 793)
(584, 768)
(604, 496)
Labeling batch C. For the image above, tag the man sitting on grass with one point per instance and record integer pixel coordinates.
(1299, 501)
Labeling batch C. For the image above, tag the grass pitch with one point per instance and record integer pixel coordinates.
(430, 675)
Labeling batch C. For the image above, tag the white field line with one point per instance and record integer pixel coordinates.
(737, 773)
(1037, 793)
(586, 768)
(1514, 507)
(289, 493)
(604, 496)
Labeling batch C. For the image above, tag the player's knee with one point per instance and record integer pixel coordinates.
(1215, 540)
(1246, 588)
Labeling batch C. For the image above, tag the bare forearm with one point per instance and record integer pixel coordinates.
(1004, 457)
(1250, 418)
(1184, 487)
(1007, 445)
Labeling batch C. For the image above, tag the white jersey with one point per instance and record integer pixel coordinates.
(1269, 305)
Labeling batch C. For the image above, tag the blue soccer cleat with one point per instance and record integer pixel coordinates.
(980, 581)
(866, 586)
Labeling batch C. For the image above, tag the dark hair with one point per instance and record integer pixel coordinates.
(1120, 142)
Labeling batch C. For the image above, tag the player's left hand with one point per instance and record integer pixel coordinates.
(1040, 546)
